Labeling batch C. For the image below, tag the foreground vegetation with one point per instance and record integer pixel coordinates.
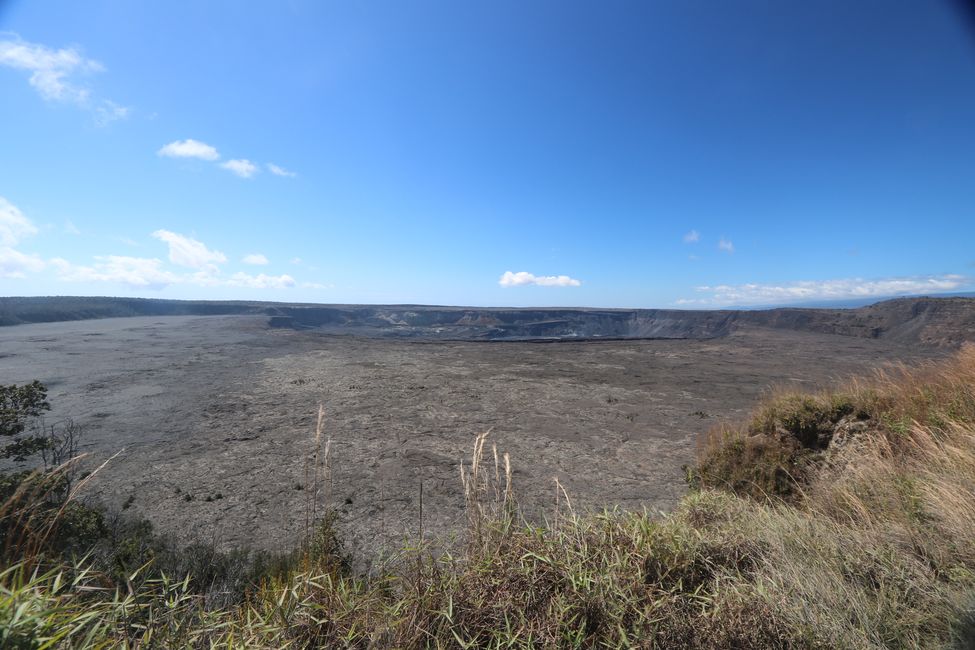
(843, 519)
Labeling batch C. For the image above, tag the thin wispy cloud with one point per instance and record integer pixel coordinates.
(523, 278)
(261, 281)
(692, 237)
(108, 111)
(15, 264)
(135, 272)
(726, 245)
(70, 229)
(53, 73)
(755, 294)
(241, 166)
(188, 252)
(15, 227)
(189, 148)
(148, 273)
(280, 171)
(58, 75)
(239, 279)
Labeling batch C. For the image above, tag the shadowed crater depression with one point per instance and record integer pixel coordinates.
(220, 398)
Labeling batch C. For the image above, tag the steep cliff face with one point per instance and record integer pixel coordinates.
(928, 321)
(508, 324)
(931, 321)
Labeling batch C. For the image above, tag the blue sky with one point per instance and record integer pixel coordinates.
(623, 154)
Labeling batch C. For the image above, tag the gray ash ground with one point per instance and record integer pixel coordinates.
(222, 410)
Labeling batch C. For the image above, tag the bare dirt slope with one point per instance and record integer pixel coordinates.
(222, 409)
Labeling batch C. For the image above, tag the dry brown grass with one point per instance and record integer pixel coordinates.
(487, 498)
(790, 434)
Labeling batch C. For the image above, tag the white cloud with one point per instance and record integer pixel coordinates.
(137, 272)
(726, 245)
(14, 226)
(296, 261)
(150, 273)
(523, 278)
(70, 229)
(54, 75)
(188, 252)
(108, 111)
(692, 237)
(14, 264)
(261, 281)
(280, 171)
(817, 290)
(241, 166)
(189, 148)
(50, 70)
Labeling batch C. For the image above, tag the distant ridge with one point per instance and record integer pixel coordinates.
(930, 321)
(18, 311)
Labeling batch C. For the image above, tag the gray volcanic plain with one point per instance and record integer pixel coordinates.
(223, 408)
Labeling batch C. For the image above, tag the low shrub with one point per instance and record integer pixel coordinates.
(776, 452)
(757, 466)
